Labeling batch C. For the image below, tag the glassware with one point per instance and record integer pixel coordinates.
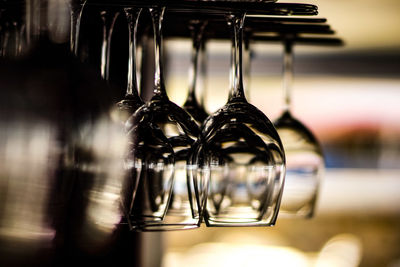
(162, 135)
(239, 155)
(127, 106)
(191, 105)
(108, 16)
(304, 158)
(76, 7)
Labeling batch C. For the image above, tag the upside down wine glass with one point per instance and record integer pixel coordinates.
(304, 158)
(191, 105)
(126, 107)
(162, 136)
(240, 155)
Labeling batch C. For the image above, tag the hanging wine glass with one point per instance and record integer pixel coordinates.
(241, 154)
(304, 158)
(162, 137)
(76, 8)
(191, 105)
(108, 16)
(127, 106)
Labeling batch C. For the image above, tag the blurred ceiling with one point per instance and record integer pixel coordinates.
(363, 24)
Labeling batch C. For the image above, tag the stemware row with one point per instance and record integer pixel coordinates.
(184, 166)
(229, 172)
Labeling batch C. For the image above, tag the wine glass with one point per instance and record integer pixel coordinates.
(108, 17)
(162, 136)
(127, 106)
(191, 105)
(76, 8)
(304, 158)
(240, 155)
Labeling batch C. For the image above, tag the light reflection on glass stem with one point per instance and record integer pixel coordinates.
(157, 15)
(202, 87)
(247, 56)
(132, 15)
(76, 15)
(108, 17)
(287, 74)
(236, 23)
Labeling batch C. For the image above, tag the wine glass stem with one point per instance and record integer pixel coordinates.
(76, 15)
(21, 33)
(16, 38)
(197, 34)
(236, 24)
(109, 18)
(203, 73)
(287, 75)
(140, 51)
(157, 14)
(4, 44)
(132, 15)
(247, 66)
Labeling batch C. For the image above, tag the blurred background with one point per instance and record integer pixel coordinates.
(347, 95)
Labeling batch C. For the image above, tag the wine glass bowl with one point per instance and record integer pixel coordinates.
(163, 135)
(304, 167)
(246, 165)
(152, 158)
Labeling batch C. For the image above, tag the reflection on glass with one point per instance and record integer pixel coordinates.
(103, 146)
(126, 107)
(191, 105)
(12, 30)
(76, 8)
(108, 17)
(304, 159)
(241, 153)
(162, 138)
(26, 159)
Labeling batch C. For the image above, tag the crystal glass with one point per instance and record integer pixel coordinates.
(304, 158)
(192, 105)
(126, 107)
(162, 137)
(239, 155)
